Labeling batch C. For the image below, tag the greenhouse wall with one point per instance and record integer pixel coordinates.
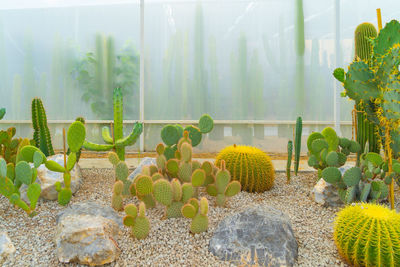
(254, 66)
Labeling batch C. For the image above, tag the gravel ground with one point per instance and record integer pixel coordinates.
(169, 242)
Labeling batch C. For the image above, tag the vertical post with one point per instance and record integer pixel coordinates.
(142, 73)
(336, 98)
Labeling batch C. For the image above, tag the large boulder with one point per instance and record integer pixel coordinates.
(6, 247)
(86, 233)
(145, 162)
(259, 234)
(47, 179)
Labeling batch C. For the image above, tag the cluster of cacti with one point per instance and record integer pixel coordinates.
(2, 113)
(75, 139)
(223, 187)
(297, 144)
(12, 177)
(41, 133)
(289, 160)
(198, 213)
(327, 149)
(365, 183)
(368, 235)
(121, 172)
(171, 134)
(10, 146)
(136, 219)
(378, 82)
(116, 140)
(248, 165)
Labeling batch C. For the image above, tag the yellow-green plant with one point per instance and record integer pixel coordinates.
(137, 220)
(117, 201)
(197, 211)
(368, 235)
(248, 165)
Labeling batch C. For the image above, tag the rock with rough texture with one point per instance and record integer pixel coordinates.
(6, 247)
(47, 179)
(86, 233)
(259, 233)
(326, 194)
(145, 162)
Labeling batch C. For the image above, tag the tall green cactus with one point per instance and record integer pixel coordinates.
(367, 131)
(299, 48)
(118, 143)
(41, 133)
(289, 160)
(297, 144)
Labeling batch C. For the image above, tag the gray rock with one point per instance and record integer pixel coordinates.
(86, 233)
(145, 162)
(326, 194)
(261, 233)
(47, 179)
(6, 247)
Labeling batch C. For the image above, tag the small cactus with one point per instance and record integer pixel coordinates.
(289, 160)
(223, 187)
(198, 213)
(137, 220)
(121, 172)
(142, 188)
(117, 201)
(297, 144)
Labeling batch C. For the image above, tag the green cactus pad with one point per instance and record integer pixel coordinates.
(54, 166)
(64, 196)
(198, 177)
(212, 190)
(174, 210)
(33, 194)
(331, 138)
(313, 136)
(131, 210)
(3, 168)
(185, 172)
(331, 175)
(199, 224)
(76, 136)
(180, 129)
(163, 192)
(194, 135)
(157, 176)
(141, 228)
(374, 158)
(196, 165)
(160, 149)
(189, 211)
(2, 113)
(207, 167)
(118, 187)
(341, 159)
(332, 159)
(220, 200)
(344, 142)
(233, 188)
(105, 133)
(365, 192)
(170, 135)
(313, 161)
(169, 152)
(186, 152)
(187, 192)
(206, 124)
(27, 152)
(352, 176)
(23, 172)
(113, 158)
(339, 73)
(117, 202)
(173, 167)
(396, 168)
(319, 144)
(37, 159)
(144, 185)
(71, 161)
(354, 147)
(129, 220)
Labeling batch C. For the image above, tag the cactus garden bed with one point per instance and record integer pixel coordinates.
(169, 242)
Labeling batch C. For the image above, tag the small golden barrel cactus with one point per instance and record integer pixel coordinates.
(367, 234)
(248, 165)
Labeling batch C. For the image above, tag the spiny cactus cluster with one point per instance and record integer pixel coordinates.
(136, 219)
(327, 149)
(117, 142)
(13, 177)
(171, 134)
(248, 165)
(368, 235)
(41, 133)
(198, 213)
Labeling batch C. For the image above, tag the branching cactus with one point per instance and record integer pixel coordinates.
(173, 134)
(2, 113)
(223, 187)
(173, 195)
(137, 220)
(12, 178)
(198, 213)
(121, 172)
(41, 133)
(117, 201)
(117, 142)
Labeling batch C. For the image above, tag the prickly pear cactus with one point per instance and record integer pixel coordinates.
(136, 219)
(117, 201)
(197, 211)
(289, 160)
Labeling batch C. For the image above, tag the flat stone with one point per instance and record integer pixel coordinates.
(6, 247)
(145, 162)
(259, 235)
(86, 233)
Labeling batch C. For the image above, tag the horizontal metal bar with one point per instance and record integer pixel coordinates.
(244, 122)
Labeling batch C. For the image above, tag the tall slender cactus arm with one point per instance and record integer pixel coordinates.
(105, 133)
(131, 139)
(96, 147)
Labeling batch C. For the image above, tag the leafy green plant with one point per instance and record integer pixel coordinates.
(41, 133)
(117, 142)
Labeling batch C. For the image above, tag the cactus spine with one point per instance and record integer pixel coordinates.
(118, 143)
(41, 133)
(289, 160)
(297, 144)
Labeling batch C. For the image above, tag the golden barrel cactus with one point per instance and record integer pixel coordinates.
(248, 165)
(368, 235)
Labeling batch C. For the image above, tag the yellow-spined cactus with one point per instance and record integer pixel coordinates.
(248, 165)
(368, 235)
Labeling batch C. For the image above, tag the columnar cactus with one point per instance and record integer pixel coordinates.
(172, 134)
(117, 142)
(223, 187)
(137, 220)
(289, 160)
(41, 133)
(297, 144)
(368, 235)
(198, 213)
